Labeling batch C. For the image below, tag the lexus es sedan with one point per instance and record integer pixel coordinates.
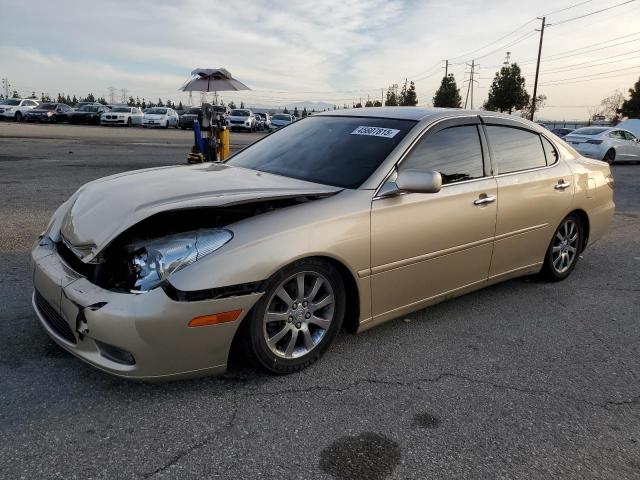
(346, 218)
(605, 143)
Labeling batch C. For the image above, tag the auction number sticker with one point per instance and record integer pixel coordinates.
(375, 132)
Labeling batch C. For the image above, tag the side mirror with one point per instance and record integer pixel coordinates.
(419, 181)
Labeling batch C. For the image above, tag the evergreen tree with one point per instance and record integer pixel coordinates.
(335, 107)
(60, 98)
(131, 102)
(160, 104)
(368, 103)
(33, 95)
(90, 98)
(102, 101)
(408, 96)
(507, 92)
(631, 107)
(138, 103)
(180, 107)
(16, 94)
(392, 98)
(143, 105)
(74, 100)
(67, 100)
(232, 105)
(448, 95)
(241, 104)
(295, 112)
(285, 111)
(377, 103)
(304, 112)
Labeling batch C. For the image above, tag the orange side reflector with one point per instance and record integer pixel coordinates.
(216, 318)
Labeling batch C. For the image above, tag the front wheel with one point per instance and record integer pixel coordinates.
(610, 156)
(18, 116)
(564, 250)
(297, 318)
(129, 122)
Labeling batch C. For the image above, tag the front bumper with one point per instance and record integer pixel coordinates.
(151, 327)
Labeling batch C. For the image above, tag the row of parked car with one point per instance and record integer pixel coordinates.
(23, 109)
(611, 144)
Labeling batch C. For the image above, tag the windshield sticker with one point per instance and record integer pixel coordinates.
(375, 132)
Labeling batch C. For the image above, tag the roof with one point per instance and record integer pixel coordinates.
(632, 125)
(412, 113)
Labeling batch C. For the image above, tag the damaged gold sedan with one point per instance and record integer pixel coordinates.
(347, 218)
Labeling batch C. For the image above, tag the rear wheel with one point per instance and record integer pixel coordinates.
(18, 116)
(297, 318)
(564, 250)
(610, 156)
(129, 122)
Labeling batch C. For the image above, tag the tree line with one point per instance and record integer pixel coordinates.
(508, 94)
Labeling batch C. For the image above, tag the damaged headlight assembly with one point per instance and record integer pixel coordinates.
(154, 261)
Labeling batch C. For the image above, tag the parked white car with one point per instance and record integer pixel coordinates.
(16, 108)
(160, 117)
(605, 143)
(242, 119)
(280, 120)
(126, 116)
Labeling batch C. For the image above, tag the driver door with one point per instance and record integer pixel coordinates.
(424, 245)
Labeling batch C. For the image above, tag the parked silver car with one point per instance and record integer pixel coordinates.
(605, 143)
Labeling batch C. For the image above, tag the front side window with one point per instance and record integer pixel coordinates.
(628, 136)
(515, 149)
(339, 151)
(455, 152)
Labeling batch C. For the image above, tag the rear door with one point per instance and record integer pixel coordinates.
(534, 194)
(629, 146)
(427, 244)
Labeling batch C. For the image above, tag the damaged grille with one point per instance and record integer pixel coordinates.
(87, 270)
(54, 319)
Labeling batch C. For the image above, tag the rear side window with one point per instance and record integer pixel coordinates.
(550, 151)
(455, 152)
(515, 149)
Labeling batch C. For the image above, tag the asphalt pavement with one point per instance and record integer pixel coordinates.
(524, 379)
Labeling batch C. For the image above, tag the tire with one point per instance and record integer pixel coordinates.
(54, 119)
(129, 122)
(610, 156)
(564, 249)
(183, 128)
(166, 124)
(313, 334)
(18, 117)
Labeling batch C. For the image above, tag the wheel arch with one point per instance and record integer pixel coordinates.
(584, 218)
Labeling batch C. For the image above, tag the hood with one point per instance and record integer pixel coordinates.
(39, 110)
(154, 116)
(103, 209)
(233, 117)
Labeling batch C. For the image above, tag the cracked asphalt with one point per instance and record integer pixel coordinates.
(521, 380)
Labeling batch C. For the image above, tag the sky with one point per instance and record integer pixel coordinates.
(334, 51)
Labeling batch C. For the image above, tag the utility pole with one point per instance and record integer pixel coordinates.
(5, 87)
(382, 97)
(123, 95)
(191, 99)
(446, 68)
(470, 86)
(535, 84)
(112, 94)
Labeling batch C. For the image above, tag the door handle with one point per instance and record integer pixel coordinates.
(561, 185)
(483, 200)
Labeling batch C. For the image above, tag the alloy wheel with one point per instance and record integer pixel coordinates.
(565, 246)
(299, 314)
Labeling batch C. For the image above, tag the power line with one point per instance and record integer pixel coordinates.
(561, 80)
(590, 13)
(567, 8)
(560, 70)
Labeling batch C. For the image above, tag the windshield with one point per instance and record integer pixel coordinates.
(338, 151)
(121, 110)
(239, 113)
(218, 108)
(10, 101)
(156, 111)
(88, 108)
(193, 111)
(281, 117)
(47, 106)
(589, 131)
